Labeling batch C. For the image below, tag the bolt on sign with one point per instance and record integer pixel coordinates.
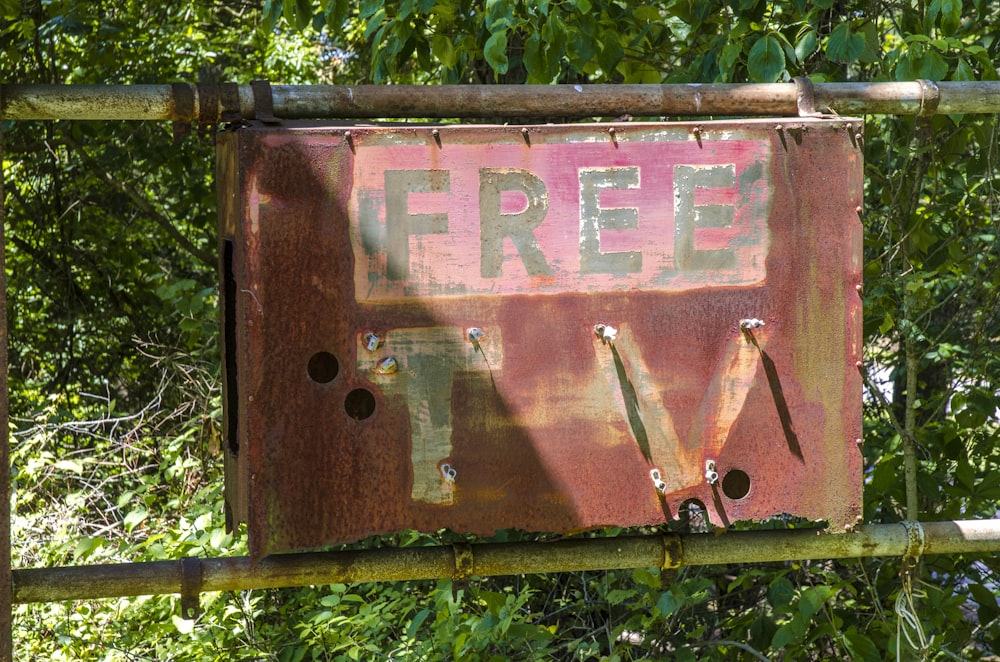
(547, 328)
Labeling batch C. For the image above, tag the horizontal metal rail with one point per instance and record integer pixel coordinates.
(204, 103)
(493, 559)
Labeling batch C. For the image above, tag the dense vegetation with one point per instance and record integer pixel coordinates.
(114, 360)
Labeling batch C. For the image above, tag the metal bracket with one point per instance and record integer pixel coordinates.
(673, 552)
(190, 587)
(805, 97)
(208, 111)
(930, 97)
(229, 95)
(183, 110)
(263, 104)
(464, 561)
(915, 541)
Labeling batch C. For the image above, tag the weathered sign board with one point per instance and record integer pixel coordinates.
(549, 328)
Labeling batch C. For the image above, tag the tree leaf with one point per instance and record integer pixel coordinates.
(964, 472)
(786, 46)
(845, 45)
(762, 631)
(303, 14)
(806, 45)
(780, 593)
(929, 65)
(963, 71)
(667, 603)
(369, 7)
(619, 595)
(70, 466)
(417, 621)
(134, 518)
(183, 625)
(648, 13)
(336, 14)
(271, 12)
(444, 50)
(85, 547)
(813, 599)
(535, 62)
(374, 23)
(730, 56)
(499, 14)
(10, 9)
(987, 601)
(861, 647)
(581, 48)
(495, 51)
(766, 60)
(784, 636)
(873, 44)
(951, 16)
(610, 55)
(554, 37)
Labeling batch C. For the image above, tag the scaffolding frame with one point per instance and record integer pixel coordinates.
(211, 105)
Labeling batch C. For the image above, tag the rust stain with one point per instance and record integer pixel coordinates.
(557, 327)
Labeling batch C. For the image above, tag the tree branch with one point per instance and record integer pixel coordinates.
(886, 407)
(910, 426)
(145, 206)
(725, 642)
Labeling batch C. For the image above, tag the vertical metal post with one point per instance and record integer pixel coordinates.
(6, 575)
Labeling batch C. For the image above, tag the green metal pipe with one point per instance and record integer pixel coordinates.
(492, 559)
(157, 102)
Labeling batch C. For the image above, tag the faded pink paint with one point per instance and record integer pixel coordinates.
(450, 264)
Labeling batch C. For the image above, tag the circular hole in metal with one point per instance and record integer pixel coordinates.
(359, 404)
(323, 367)
(736, 484)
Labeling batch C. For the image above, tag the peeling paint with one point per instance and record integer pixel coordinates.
(739, 351)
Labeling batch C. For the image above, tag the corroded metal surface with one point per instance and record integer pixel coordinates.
(242, 573)
(551, 328)
(158, 102)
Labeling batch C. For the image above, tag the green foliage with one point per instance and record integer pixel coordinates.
(114, 360)
(766, 61)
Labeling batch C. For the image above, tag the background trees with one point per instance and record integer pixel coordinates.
(114, 353)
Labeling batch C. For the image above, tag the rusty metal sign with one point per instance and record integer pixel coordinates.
(549, 328)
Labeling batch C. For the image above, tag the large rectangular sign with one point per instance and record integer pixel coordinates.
(548, 328)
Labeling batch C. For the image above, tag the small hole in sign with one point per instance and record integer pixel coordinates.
(359, 404)
(736, 484)
(323, 367)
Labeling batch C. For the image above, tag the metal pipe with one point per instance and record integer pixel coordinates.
(157, 102)
(492, 559)
(6, 578)
(86, 102)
